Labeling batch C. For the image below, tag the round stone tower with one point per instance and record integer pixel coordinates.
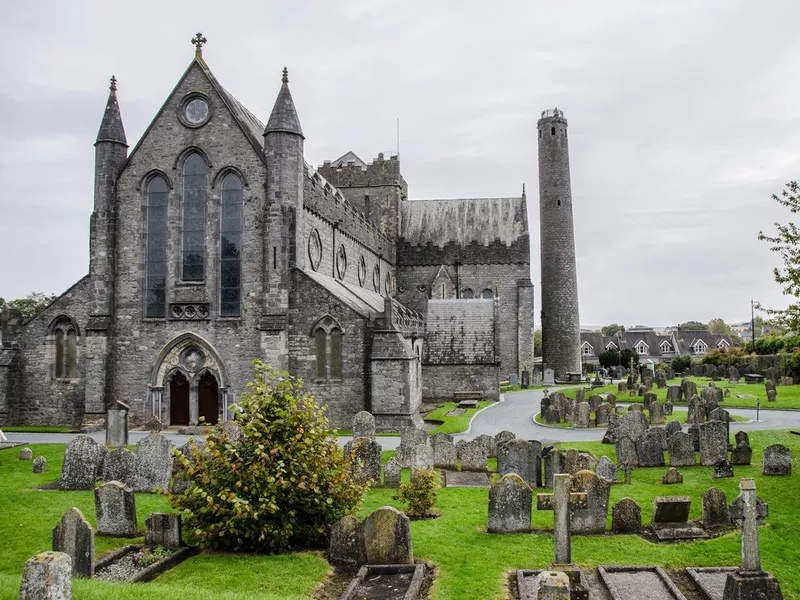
(560, 321)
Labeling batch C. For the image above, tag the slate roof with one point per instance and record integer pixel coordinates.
(628, 339)
(462, 221)
(284, 114)
(346, 158)
(460, 332)
(111, 128)
(361, 300)
(688, 338)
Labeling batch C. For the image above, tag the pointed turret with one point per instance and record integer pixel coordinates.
(111, 128)
(284, 114)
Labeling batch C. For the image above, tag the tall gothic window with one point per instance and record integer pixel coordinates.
(193, 219)
(156, 252)
(328, 349)
(230, 252)
(320, 339)
(65, 341)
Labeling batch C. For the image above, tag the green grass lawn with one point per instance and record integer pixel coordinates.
(32, 429)
(457, 424)
(788, 395)
(472, 564)
(677, 415)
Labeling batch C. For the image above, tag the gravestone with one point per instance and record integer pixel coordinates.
(628, 469)
(582, 413)
(713, 442)
(39, 464)
(680, 449)
(544, 404)
(668, 408)
(771, 374)
(152, 464)
(594, 401)
(636, 408)
(347, 542)
(412, 437)
(74, 536)
(656, 410)
(777, 460)
(549, 377)
(115, 507)
(688, 387)
(622, 388)
(612, 430)
(367, 459)
(537, 378)
(742, 453)
(510, 501)
(733, 375)
(606, 469)
(672, 476)
(525, 379)
(119, 466)
(445, 456)
(771, 395)
(163, 529)
(571, 464)
(513, 380)
(580, 395)
(649, 397)
(81, 461)
(421, 458)
(722, 469)
(611, 399)
(180, 478)
(694, 431)
(592, 518)
(438, 438)
(650, 449)
(696, 411)
(517, 456)
(391, 473)
(363, 425)
(117, 425)
(672, 427)
(47, 576)
(626, 452)
(503, 437)
(552, 416)
(671, 509)
(626, 516)
(562, 501)
(749, 581)
(674, 393)
(715, 509)
(601, 414)
(473, 456)
(487, 443)
(387, 537)
(632, 424)
(554, 462)
(25, 454)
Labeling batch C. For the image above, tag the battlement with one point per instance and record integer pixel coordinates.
(552, 115)
(355, 173)
(475, 253)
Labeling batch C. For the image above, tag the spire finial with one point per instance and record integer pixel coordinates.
(198, 40)
(113, 86)
(285, 77)
(523, 189)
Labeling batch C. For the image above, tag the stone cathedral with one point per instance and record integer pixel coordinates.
(213, 243)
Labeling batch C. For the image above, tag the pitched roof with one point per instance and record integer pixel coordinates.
(348, 157)
(460, 332)
(483, 220)
(361, 300)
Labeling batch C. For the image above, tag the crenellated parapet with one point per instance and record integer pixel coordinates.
(518, 252)
(380, 172)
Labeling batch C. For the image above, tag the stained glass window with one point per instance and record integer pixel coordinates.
(193, 219)
(156, 258)
(230, 252)
(320, 338)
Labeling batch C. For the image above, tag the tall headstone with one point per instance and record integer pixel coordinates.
(152, 463)
(591, 519)
(367, 459)
(391, 473)
(47, 576)
(713, 442)
(363, 425)
(626, 452)
(81, 461)
(119, 466)
(656, 410)
(115, 507)
(517, 456)
(715, 509)
(650, 449)
(680, 449)
(163, 529)
(117, 425)
(510, 501)
(387, 537)
(75, 536)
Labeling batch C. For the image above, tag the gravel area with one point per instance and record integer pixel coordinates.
(123, 569)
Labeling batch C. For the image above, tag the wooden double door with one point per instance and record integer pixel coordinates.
(182, 393)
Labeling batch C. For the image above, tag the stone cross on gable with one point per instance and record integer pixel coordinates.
(198, 40)
(560, 502)
(749, 510)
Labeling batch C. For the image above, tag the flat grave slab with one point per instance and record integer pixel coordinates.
(710, 580)
(680, 531)
(746, 396)
(628, 583)
(386, 582)
(468, 404)
(470, 479)
(4, 445)
(456, 412)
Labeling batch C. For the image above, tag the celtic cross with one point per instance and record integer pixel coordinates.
(198, 40)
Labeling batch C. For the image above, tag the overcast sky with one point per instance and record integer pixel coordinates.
(683, 119)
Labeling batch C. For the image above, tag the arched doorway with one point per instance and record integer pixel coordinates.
(208, 398)
(179, 399)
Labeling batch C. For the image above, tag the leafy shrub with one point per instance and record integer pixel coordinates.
(608, 358)
(720, 357)
(419, 496)
(281, 486)
(625, 357)
(681, 363)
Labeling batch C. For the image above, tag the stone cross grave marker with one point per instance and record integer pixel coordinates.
(560, 502)
(748, 511)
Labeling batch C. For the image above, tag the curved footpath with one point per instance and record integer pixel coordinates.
(513, 413)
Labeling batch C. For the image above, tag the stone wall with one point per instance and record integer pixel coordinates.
(440, 382)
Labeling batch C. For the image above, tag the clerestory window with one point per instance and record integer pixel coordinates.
(155, 293)
(193, 219)
(327, 335)
(230, 252)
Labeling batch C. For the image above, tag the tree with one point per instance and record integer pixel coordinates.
(787, 244)
(31, 305)
(719, 327)
(611, 330)
(608, 358)
(537, 342)
(681, 363)
(280, 486)
(693, 326)
(625, 356)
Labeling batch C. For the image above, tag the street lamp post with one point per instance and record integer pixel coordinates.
(753, 337)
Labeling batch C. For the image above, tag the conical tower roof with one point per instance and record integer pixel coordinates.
(284, 114)
(111, 128)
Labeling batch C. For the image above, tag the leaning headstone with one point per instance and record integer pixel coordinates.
(39, 464)
(81, 461)
(626, 452)
(592, 519)
(119, 466)
(656, 410)
(363, 425)
(715, 509)
(517, 456)
(742, 453)
(680, 449)
(626, 516)
(115, 506)
(606, 469)
(347, 542)
(117, 425)
(391, 473)
(367, 459)
(387, 537)
(74, 536)
(47, 576)
(672, 476)
(25, 454)
(152, 464)
(671, 509)
(650, 449)
(777, 460)
(672, 427)
(163, 529)
(445, 456)
(510, 501)
(632, 425)
(473, 456)
(713, 442)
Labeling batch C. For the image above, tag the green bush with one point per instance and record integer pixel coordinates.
(625, 357)
(608, 358)
(720, 357)
(419, 496)
(681, 363)
(281, 486)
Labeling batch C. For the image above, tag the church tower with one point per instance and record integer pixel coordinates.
(560, 319)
